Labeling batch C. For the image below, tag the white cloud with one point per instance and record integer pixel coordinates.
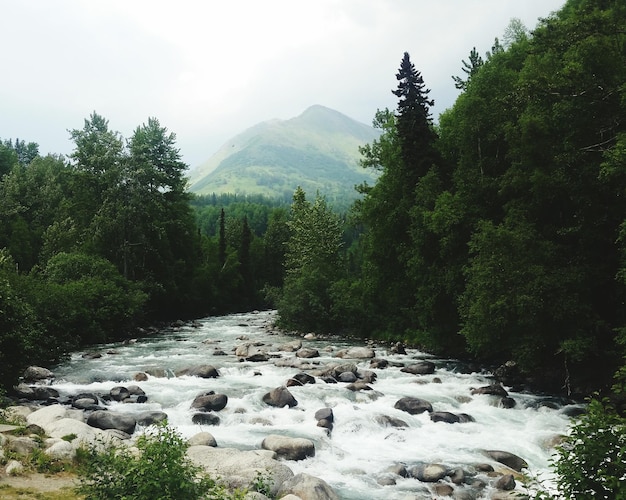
(208, 70)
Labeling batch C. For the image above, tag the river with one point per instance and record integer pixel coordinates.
(359, 449)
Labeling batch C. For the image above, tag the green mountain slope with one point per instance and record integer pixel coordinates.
(318, 150)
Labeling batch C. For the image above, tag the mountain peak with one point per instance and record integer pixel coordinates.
(318, 150)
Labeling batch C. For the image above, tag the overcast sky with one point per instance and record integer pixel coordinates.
(210, 69)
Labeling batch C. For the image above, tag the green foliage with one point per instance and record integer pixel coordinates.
(161, 471)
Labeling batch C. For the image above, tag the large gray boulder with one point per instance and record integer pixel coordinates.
(356, 352)
(37, 373)
(307, 487)
(240, 469)
(280, 397)
(210, 401)
(202, 371)
(307, 353)
(509, 459)
(428, 473)
(150, 417)
(420, 368)
(289, 448)
(414, 406)
(102, 419)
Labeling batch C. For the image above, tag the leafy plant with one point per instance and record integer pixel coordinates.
(263, 484)
(160, 471)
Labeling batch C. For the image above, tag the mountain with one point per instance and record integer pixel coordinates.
(318, 150)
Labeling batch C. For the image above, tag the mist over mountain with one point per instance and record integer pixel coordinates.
(317, 150)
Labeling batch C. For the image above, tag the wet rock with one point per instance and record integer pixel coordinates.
(202, 439)
(205, 419)
(292, 346)
(24, 391)
(37, 373)
(202, 371)
(307, 487)
(509, 459)
(325, 414)
(428, 473)
(304, 378)
(156, 372)
(421, 368)
(507, 402)
(140, 377)
(307, 353)
(457, 476)
(414, 406)
(442, 490)
(119, 393)
(91, 355)
(151, 417)
(387, 421)
(492, 390)
(398, 469)
(367, 376)
(44, 393)
(484, 467)
(219, 352)
(280, 397)
(289, 448)
(358, 386)
(379, 363)
(135, 390)
(210, 401)
(444, 416)
(465, 418)
(356, 353)
(347, 377)
(465, 493)
(86, 401)
(386, 480)
(102, 419)
(506, 482)
(397, 348)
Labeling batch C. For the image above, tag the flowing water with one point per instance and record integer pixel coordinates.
(359, 449)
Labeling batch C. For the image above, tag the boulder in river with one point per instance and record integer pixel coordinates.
(202, 371)
(444, 416)
(205, 418)
(307, 487)
(289, 448)
(492, 390)
(420, 368)
(509, 459)
(428, 473)
(102, 419)
(356, 352)
(210, 401)
(151, 417)
(37, 373)
(119, 393)
(307, 353)
(414, 406)
(280, 397)
(387, 421)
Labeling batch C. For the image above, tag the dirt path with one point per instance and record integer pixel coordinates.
(38, 486)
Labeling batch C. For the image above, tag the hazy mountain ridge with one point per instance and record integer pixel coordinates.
(318, 150)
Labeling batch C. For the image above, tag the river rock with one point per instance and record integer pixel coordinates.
(507, 402)
(102, 419)
(420, 368)
(358, 386)
(37, 373)
(509, 459)
(210, 401)
(505, 482)
(493, 390)
(356, 352)
(367, 376)
(397, 348)
(146, 418)
(202, 371)
(13, 468)
(304, 378)
(379, 363)
(444, 416)
(292, 346)
(156, 372)
(289, 448)
(61, 450)
(205, 419)
(119, 393)
(325, 414)
(44, 393)
(202, 439)
(140, 377)
(428, 473)
(347, 377)
(280, 397)
(442, 490)
(240, 469)
(387, 421)
(414, 406)
(86, 401)
(307, 353)
(307, 487)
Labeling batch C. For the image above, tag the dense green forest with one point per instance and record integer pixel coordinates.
(495, 234)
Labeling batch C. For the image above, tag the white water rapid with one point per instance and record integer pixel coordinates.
(359, 449)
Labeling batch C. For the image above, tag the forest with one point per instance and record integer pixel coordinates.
(496, 234)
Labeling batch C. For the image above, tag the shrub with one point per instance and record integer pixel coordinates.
(161, 471)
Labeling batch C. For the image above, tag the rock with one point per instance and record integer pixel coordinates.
(387, 421)
(280, 397)
(304, 378)
(156, 372)
(289, 448)
(91, 355)
(465, 493)
(135, 390)
(140, 377)
(86, 401)
(358, 386)
(442, 490)
(61, 450)
(307, 353)
(22, 445)
(508, 495)
(398, 470)
(102, 419)
(429, 473)
(346, 377)
(119, 393)
(307, 487)
(509, 459)
(506, 482)
(414, 406)
(367, 376)
(386, 480)
(292, 346)
(240, 469)
(205, 419)
(379, 363)
(397, 348)
(202, 371)
(37, 373)
(146, 418)
(356, 353)
(325, 414)
(457, 476)
(44, 393)
(219, 352)
(14, 468)
(202, 439)
(507, 402)
(210, 401)
(444, 416)
(493, 390)
(421, 368)
(24, 391)
(465, 418)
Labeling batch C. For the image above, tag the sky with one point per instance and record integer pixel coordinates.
(208, 70)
